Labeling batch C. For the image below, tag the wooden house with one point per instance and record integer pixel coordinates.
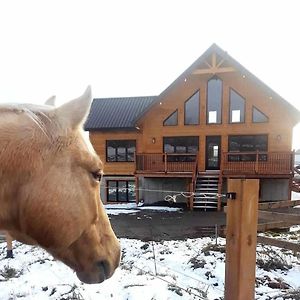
(215, 121)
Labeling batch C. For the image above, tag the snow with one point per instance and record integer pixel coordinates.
(295, 196)
(132, 208)
(181, 270)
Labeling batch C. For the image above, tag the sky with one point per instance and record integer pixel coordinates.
(135, 48)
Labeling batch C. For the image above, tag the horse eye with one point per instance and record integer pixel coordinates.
(97, 175)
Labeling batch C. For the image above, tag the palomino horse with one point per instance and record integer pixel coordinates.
(49, 187)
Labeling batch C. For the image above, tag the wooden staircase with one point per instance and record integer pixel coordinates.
(207, 186)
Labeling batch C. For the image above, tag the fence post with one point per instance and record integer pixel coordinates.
(241, 239)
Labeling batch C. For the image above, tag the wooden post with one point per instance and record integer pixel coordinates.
(166, 157)
(9, 249)
(241, 238)
(137, 194)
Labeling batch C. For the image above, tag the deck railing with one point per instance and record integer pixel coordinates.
(165, 162)
(257, 163)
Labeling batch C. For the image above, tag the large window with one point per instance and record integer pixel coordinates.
(258, 116)
(237, 107)
(120, 150)
(181, 145)
(191, 110)
(247, 144)
(214, 101)
(185, 144)
(120, 191)
(172, 120)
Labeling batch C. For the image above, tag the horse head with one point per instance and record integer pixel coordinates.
(49, 194)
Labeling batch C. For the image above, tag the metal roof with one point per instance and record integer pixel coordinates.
(116, 113)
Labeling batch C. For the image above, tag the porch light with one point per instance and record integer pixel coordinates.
(153, 140)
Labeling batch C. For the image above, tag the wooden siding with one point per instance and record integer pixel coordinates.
(150, 137)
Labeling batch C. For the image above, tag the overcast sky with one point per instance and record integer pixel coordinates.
(133, 48)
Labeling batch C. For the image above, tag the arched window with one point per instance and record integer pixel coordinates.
(237, 107)
(191, 110)
(214, 101)
(258, 116)
(172, 119)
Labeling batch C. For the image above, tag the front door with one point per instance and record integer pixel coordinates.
(213, 152)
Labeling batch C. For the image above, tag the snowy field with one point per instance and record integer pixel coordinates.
(191, 269)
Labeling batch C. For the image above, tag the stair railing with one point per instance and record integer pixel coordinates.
(193, 184)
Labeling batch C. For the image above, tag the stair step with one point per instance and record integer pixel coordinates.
(207, 184)
(206, 189)
(206, 202)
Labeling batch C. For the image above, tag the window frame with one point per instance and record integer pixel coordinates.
(117, 191)
(174, 112)
(254, 107)
(116, 151)
(262, 157)
(221, 102)
(185, 102)
(229, 117)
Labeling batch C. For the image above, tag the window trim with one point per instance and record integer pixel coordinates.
(229, 117)
(254, 107)
(126, 152)
(222, 96)
(175, 111)
(184, 114)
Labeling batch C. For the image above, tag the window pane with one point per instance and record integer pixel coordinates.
(212, 117)
(237, 108)
(191, 110)
(121, 154)
(258, 116)
(172, 119)
(131, 191)
(122, 191)
(111, 154)
(112, 191)
(236, 116)
(214, 100)
(130, 153)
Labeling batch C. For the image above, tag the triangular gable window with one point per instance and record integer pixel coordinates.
(172, 120)
(258, 116)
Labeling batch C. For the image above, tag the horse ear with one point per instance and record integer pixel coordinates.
(73, 113)
(51, 101)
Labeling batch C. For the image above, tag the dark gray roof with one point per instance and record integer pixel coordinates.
(116, 113)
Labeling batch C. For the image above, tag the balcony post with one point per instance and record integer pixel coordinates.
(166, 166)
(256, 162)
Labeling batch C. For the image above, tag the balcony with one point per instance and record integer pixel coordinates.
(257, 163)
(166, 163)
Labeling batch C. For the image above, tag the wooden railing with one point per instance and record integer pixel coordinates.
(258, 163)
(165, 162)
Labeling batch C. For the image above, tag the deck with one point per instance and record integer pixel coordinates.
(249, 164)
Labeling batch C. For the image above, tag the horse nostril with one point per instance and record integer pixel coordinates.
(103, 267)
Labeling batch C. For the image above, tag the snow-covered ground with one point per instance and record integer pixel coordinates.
(132, 208)
(191, 269)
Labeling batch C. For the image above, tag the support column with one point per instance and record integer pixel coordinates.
(137, 194)
(241, 239)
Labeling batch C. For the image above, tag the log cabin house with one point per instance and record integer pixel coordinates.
(215, 121)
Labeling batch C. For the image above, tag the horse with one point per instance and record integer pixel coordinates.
(49, 186)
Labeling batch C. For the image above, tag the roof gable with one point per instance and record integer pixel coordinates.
(213, 62)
